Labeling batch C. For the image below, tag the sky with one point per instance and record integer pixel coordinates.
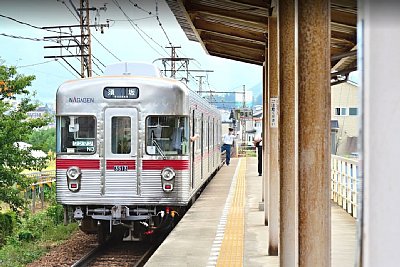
(140, 39)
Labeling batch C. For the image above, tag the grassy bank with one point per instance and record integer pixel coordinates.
(34, 235)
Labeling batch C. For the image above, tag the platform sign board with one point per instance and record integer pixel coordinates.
(274, 112)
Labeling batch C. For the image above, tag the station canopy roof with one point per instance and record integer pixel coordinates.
(238, 29)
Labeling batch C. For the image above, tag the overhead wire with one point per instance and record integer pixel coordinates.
(68, 69)
(36, 64)
(24, 38)
(160, 24)
(40, 40)
(137, 29)
(30, 25)
(140, 8)
(76, 17)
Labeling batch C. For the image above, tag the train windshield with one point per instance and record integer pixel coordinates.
(167, 135)
(76, 134)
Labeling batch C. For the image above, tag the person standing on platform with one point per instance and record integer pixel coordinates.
(227, 140)
(258, 144)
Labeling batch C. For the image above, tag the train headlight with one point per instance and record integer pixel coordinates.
(167, 179)
(168, 174)
(74, 172)
(73, 178)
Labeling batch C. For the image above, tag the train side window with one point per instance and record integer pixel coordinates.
(76, 134)
(121, 135)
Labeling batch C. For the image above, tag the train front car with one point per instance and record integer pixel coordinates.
(123, 152)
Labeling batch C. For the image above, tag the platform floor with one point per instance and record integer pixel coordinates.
(224, 227)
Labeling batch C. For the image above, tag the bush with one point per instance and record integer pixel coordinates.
(55, 213)
(7, 224)
(34, 235)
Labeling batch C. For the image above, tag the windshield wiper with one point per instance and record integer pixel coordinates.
(159, 149)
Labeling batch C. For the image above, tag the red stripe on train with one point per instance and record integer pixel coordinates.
(179, 165)
(131, 164)
(89, 164)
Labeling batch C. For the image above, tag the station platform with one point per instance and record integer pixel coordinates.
(224, 227)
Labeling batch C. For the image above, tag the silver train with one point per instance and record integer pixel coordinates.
(134, 149)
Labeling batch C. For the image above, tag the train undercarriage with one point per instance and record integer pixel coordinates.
(127, 223)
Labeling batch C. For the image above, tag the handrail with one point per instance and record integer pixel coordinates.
(345, 183)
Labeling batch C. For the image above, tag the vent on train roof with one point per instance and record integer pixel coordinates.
(133, 68)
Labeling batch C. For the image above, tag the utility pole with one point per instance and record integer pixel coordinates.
(86, 45)
(173, 57)
(200, 83)
(81, 43)
(184, 64)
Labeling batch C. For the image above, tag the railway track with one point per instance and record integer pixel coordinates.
(118, 253)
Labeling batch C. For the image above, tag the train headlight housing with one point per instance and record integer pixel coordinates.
(167, 179)
(168, 174)
(74, 178)
(74, 172)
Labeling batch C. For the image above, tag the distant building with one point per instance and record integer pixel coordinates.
(41, 111)
(345, 118)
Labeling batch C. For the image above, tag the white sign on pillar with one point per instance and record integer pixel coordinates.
(274, 112)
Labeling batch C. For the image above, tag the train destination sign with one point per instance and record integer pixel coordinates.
(121, 92)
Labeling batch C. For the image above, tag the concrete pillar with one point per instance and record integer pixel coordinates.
(288, 153)
(314, 132)
(273, 125)
(265, 137)
(379, 62)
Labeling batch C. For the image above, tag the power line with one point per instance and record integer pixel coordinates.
(137, 28)
(160, 24)
(67, 69)
(36, 64)
(27, 24)
(119, 20)
(108, 50)
(24, 38)
(140, 8)
(111, 53)
(73, 14)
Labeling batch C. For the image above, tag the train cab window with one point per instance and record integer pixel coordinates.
(167, 135)
(76, 134)
(121, 135)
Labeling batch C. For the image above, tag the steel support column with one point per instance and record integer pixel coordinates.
(273, 125)
(288, 152)
(314, 132)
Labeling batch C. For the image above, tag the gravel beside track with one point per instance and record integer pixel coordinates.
(67, 253)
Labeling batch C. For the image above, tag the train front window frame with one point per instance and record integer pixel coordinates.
(76, 134)
(121, 129)
(167, 135)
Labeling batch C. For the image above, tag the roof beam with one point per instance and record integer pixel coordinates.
(242, 18)
(224, 38)
(352, 38)
(229, 30)
(254, 3)
(343, 18)
(343, 55)
(236, 52)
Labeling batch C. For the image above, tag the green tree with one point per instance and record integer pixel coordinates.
(44, 140)
(15, 126)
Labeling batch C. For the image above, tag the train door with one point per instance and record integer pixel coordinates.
(202, 137)
(193, 132)
(121, 150)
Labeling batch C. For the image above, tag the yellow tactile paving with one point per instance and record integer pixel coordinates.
(232, 246)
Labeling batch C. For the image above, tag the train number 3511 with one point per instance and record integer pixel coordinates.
(120, 168)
